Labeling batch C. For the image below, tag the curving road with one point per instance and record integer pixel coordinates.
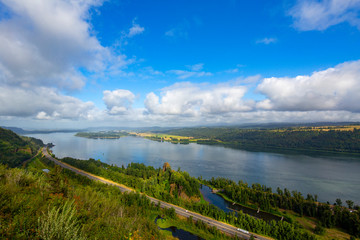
(226, 228)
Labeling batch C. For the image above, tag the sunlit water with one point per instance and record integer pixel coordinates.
(329, 177)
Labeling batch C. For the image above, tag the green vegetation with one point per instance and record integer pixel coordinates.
(326, 139)
(14, 149)
(198, 228)
(327, 215)
(179, 188)
(63, 205)
(102, 135)
(172, 186)
(33, 207)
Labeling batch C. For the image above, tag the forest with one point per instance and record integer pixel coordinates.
(328, 215)
(326, 139)
(103, 134)
(15, 149)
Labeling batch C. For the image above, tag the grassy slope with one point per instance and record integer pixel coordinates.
(310, 224)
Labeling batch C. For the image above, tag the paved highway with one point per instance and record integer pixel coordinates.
(180, 211)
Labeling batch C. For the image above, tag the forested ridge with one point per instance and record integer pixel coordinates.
(15, 149)
(328, 140)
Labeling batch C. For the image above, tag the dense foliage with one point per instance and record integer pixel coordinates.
(165, 185)
(33, 206)
(15, 149)
(104, 134)
(263, 197)
(168, 185)
(285, 138)
(63, 205)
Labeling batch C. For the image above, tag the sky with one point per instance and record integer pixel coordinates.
(132, 63)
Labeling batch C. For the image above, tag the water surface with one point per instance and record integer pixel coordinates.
(227, 206)
(329, 177)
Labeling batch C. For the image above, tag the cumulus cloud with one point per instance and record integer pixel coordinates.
(319, 15)
(45, 42)
(118, 101)
(334, 89)
(42, 103)
(188, 99)
(45, 46)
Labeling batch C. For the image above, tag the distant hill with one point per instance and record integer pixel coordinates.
(15, 149)
(44, 131)
(16, 130)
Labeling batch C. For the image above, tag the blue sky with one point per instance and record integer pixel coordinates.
(178, 63)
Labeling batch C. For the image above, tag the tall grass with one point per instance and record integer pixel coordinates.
(60, 223)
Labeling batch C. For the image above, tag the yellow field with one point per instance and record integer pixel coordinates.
(320, 128)
(166, 137)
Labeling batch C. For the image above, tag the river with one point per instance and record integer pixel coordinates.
(329, 177)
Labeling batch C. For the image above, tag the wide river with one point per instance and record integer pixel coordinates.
(329, 177)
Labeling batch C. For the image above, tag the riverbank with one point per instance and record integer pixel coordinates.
(220, 200)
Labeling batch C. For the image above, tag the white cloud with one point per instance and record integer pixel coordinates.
(42, 103)
(188, 99)
(135, 29)
(334, 89)
(45, 42)
(320, 15)
(118, 101)
(43, 46)
(195, 71)
(183, 74)
(267, 41)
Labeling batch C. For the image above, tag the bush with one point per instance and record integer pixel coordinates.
(319, 230)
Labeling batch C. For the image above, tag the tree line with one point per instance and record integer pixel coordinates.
(262, 196)
(169, 185)
(283, 138)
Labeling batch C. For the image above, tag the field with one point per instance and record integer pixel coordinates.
(320, 128)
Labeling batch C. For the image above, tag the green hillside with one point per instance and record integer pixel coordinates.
(335, 139)
(15, 149)
(59, 204)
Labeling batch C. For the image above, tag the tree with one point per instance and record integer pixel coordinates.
(338, 202)
(350, 204)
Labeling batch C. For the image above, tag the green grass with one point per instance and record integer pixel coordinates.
(184, 224)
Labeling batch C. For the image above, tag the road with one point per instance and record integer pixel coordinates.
(224, 227)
